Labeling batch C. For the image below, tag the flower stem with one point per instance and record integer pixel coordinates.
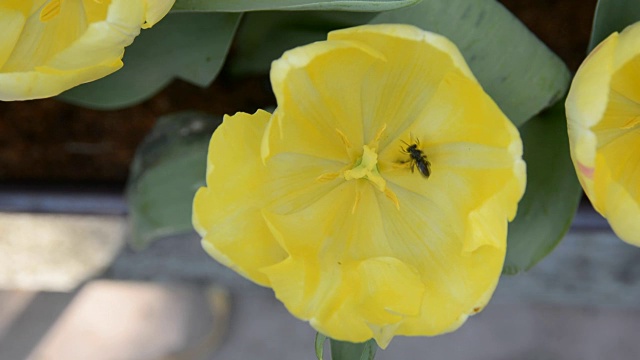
(342, 350)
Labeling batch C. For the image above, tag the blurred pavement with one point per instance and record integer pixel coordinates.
(110, 320)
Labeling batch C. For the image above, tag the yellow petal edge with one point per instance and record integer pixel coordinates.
(357, 238)
(48, 47)
(603, 114)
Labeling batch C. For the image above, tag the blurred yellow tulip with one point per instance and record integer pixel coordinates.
(603, 114)
(49, 46)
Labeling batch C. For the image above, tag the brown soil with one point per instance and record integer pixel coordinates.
(47, 140)
(564, 25)
(50, 141)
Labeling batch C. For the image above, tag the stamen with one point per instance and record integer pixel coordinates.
(376, 139)
(356, 202)
(379, 133)
(327, 177)
(50, 11)
(392, 196)
(632, 123)
(344, 139)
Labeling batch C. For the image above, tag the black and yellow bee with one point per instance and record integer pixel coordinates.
(417, 158)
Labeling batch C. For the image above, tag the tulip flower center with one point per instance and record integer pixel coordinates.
(366, 167)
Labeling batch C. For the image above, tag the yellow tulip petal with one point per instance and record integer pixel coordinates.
(399, 88)
(299, 180)
(156, 10)
(629, 40)
(473, 118)
(345, 285)
(587, 101)
(97, 10)
(40, 41)
(311, 108)
(227, 213)
(469, 143)
(331, 310)
(618, 130)
(603, 113)
(13, 16)
(101, 42)
(305, 279)
(383, 36)
(45, 82)
(431, 234)
(617, 167)
(621, 208)
(587, 97)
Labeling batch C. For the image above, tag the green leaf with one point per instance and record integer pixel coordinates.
(519, 72)
(611, 16)
(342, 350)
(167, 170)
(189, 46)
(320, 339)
(552, 195)
(264, 36)
(256, 5)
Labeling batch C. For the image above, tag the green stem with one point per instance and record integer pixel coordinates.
(342, 350)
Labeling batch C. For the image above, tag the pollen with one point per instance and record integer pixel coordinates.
(378, 136)
(344, 139)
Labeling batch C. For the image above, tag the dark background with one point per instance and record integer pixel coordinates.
(47, 141)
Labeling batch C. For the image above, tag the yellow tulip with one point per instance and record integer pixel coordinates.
(375, 200)
(49, 46)
(603, 113)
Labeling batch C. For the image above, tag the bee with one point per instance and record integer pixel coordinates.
(417, 158)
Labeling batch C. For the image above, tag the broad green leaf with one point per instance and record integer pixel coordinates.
(342, 350)
(611, 16)
(264, 36)
(189, 46)
(168, 168)
(320, 339)
(255, 5)
(552, 195)
(519, 72)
